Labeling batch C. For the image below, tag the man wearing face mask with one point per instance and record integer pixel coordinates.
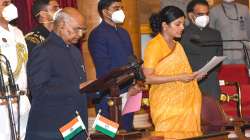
(199, 55)
(110, 46)
(13, 46)
(44, 12)
(232, 19)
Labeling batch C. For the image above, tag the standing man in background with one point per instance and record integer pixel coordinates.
(233, 21)
(13, 46)
(44, 12)
(110, 46)
(198, 55)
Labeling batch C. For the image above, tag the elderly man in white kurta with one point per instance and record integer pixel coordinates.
(13, 46)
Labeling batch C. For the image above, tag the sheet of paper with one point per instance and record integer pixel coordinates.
(133, 104)
(124, 97)
(212, 63)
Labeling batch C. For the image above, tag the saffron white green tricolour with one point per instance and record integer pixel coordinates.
(105, 126)
(72, 128)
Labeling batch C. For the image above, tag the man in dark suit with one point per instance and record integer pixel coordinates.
(197, 53)
(55, 71)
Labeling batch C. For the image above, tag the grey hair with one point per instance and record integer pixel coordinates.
(61, 16)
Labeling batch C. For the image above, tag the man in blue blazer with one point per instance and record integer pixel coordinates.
(110, 45)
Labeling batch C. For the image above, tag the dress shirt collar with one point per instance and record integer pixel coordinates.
(195, 27)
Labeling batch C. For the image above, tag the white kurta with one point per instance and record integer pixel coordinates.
(234, 24)
(8, 42)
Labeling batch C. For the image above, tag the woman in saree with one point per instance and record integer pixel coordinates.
(175, 98)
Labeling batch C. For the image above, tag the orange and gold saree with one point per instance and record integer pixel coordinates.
(175, 106)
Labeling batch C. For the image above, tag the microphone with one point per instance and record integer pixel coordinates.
(136, 65)
(2, 84)
(11, 79)
(196, 39)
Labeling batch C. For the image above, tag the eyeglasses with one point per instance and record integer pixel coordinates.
(77, 29)
(80, 30)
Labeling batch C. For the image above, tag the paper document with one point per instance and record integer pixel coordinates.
(124, 97)
(133, 104)
(212, 63)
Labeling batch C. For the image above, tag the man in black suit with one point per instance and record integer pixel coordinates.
(55, 72)
(197, 53)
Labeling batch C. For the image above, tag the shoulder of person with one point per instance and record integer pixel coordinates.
(242, 7)
(40, 49)
(154, 41)
(34, 37)
(213, 31)
(215, 8)
(97, 32)
(16, 30)
(123, 29)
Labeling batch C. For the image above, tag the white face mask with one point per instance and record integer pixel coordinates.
(9, 12)
(202, 21)
(55, 14)
(118, 16)
(228, 1)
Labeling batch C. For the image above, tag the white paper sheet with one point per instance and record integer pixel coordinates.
(212, 63)
(124, 97)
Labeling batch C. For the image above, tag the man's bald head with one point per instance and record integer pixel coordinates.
(68, 14)
(69, 24)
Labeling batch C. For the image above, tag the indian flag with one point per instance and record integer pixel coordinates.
(72, 128)
(105, 126)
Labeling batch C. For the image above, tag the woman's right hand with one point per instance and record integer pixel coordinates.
(186, 77)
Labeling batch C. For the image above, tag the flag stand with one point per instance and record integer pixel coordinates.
(111, 82)
(85, 130)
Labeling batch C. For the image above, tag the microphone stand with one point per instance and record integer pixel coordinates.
(247, 59)
(246, 54)
(9, 93)
(139, 76)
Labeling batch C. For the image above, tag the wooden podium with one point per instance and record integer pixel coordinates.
(111, 82)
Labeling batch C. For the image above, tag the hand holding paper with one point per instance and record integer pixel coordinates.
(200, 75)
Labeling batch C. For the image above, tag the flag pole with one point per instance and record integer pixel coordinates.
(85, 130)
(97, 116)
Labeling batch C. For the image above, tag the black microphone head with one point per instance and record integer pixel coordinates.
(136, 65)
